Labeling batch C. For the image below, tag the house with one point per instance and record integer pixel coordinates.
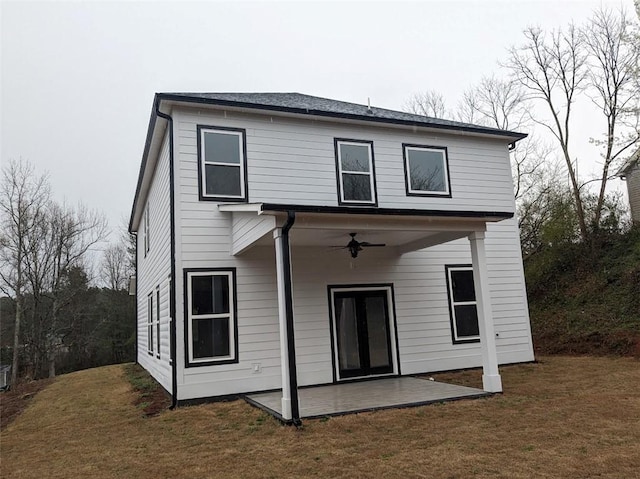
(286, 241)
(630, 172)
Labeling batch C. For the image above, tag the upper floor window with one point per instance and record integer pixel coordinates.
(462, 304)
(426, 170)
(147, 242)
(355, 171)
(222, 163)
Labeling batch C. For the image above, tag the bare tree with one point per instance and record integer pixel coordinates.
(73, 232)
(600, 59)
(430, 103)
(613, 60)
(552, 69)
(23, 198)
(114, 267)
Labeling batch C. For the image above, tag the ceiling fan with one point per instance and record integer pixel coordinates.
(354, 246)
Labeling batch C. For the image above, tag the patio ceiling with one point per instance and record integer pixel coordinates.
(252, 227)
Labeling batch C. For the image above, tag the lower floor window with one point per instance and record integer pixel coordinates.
(211, 316)
(150, 323)
(462, 304)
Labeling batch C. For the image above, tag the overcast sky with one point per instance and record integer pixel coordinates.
(78, 78)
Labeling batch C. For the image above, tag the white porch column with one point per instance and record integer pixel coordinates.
(491, 380)
(282, 316)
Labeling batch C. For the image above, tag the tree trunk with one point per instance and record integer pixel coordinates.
(52, 362)
(16, 340)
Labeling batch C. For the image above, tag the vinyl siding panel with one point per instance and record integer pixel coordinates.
(154, 270)
(293, 162)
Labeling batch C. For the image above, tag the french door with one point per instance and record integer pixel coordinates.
(362, 333)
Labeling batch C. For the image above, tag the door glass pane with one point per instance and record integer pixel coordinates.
(222, 180)
(426, 170)
(378, 331)
(210, 338)
(354, 157)
(347, 329)
(356, 187)
(222, 147)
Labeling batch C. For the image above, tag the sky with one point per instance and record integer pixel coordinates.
(78, 78)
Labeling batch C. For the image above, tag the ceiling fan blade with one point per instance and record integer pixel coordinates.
(366, 244)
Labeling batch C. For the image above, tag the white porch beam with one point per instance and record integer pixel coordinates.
(432, 240)
(491, 380)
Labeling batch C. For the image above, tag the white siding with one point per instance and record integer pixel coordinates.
(293, 162)
(248, 228)
(154, 270)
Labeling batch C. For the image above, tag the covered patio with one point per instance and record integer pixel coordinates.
(400, 231)
(349, 398)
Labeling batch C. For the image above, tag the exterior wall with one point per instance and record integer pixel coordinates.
(633, 188)
(292, 161)
(300, 155)
(154, 271)
(421, 304)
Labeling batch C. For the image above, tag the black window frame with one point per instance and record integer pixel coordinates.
(157, 321)
(244, 184)
(407, 176)
(150, 325)
(233, 312)
(452, 318)
(339, 172)
(146, 230)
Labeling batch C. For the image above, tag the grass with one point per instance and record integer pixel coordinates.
(150, 397)
(563, 417)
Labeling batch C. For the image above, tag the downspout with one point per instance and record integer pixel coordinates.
(288, 300)
(172, 232)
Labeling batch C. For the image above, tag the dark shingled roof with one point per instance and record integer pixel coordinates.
(313, 105)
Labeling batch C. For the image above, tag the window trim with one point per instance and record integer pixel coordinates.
(407, 169)
(372, 172)
(452, 319)
(150, 314)
(244, 185)
(233, 317)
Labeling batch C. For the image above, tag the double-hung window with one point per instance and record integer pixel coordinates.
(426, 170)
(355, 171)
(158, 322)
(147, 242)
(462, 304)
(150, 315)
(211, 317)
(222, 164)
